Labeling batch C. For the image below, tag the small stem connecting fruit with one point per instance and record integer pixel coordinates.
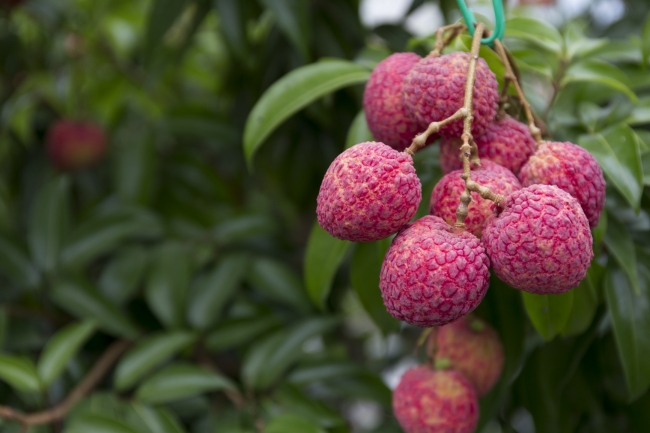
(442, 41)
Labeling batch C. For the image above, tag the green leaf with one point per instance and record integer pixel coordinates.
(158, 420)
(148, 354)
(20, 373)
(620, 244)
(548, 313)
(645, 41)
(96, 423)
(537, 32)
(645, 159)
(168, 283)
(293, 92)
(630, 314)
(617, 151)
(268, 359)
(277, 281)
(233, 25)
(364, 275)
(61, 347)
(134, 167)
(322, 259)
(293, 18)
(464, 43)
(122, 276)
(238, 332)
(211, 292)
(358, 132)
(15, 264)
(180, 381)
(292, 424)
(84, 301)
(585, 303)
(48, 223)
(162, 15)
(598, 71)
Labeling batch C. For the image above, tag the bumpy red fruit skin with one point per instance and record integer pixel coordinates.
(442, 401)
(572, 169)
(435, 89)
(369, 192)
(446, 194)
(382, 101)
(474, 349)
(540, 242)
(505, 141)
(73, 145)
(433, 274)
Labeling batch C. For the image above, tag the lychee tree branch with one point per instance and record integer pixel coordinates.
(442, 41)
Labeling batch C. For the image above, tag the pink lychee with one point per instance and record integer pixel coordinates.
(540, 242)
(382, 101)
(473, 348)
(572, 169)
(435, 401)
(434, 89)
(433, 273)
(369, 192)
(73, 145)
(505, 141)
(446, 194)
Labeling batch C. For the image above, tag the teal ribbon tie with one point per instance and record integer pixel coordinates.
(499, 19)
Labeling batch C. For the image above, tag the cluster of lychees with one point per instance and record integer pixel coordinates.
(525, 209)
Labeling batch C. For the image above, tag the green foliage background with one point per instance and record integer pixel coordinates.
(196, 239)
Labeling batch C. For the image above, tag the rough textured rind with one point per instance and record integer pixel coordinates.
(433, 274)
(505, 141)
(369, 192)
(435, 89)
(540, 242)
(442, 401)
(73, 145)
(445, 197)
(572, 169)
(382, 101)
(474, 349)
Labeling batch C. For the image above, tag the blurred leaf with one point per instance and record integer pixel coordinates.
(242, 227)
(323, 371)
(358, 132)
(640, 114)
(96, 423)
(135, 163)
(162, 15)
(292, 424)
(646, 169)
(211, 292)
(20, 373)
(158, 420)
(293, 18)
(168, 283)
(322, 259)
(630, 314)
(233, 24)
(645, 41)
(267, 359)
(599, 231)
(364, 275)
(49, 219)
(598, 71)
(585, 303)
(621, 246)
(15, 264)
(617, 152)
(578, 44)
(294, 91)
(147, 355)
(84, 301)
(548, 313)
(239, 332)
(279, 282)
(296, 402)
(61, 347)
(537, 32)
(121, 277)
(179, 381)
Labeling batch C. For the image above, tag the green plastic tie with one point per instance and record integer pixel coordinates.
(499, 19)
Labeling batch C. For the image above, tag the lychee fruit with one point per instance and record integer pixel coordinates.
(505, 141)
(434, 89)
(369, 192)
(472, 347)
(73, 145)
(433, 273)
(572, 169)
(382, 101)
(435, 401)
(540, 242)
(446, 194)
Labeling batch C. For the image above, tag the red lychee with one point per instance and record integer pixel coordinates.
(474, 349)
(540, 242)
(433, 273)
(369, 192)
(434, 89)
(572, 169)
(73, 145)
(505, 141)
(382, 101)
(435, 401)
(445, 197)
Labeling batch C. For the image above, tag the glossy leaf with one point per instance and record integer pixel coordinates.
(20, 373)
(292, 17)
(148, 354)
(322, 259)
(292, 424)
(61, 347)
(237, 332)
(158, 420)
(585, 303)
(121, 277)
(548, 313)
(280, 283)
(617, 152)
(598, 71)
(537, 32)
(15, 264)
(621, 246)
(98, 424)
(179, 381)
(358, 132)
(293, 92)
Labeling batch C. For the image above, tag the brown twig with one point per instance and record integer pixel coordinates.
(442, 41)
(58, 412)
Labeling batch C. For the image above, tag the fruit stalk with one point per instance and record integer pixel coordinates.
(441, 41)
